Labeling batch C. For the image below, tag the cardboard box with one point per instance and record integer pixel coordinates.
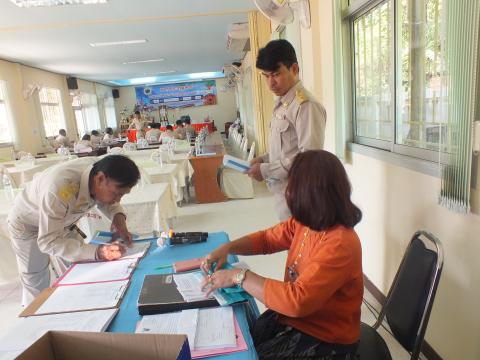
(78, 345)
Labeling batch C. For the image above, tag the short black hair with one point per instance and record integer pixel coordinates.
(109, 130)
(86, 137)
(137, 112)
(275, 53)
(179, 122)
(118, 168)
(95, 132)
(62, 132)
(169, 127)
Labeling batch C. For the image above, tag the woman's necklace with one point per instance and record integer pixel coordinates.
(291, 269)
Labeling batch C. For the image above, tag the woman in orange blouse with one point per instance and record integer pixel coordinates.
(315, 312)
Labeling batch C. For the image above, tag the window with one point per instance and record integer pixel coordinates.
(109, 108)
(398, 88)
(86, 113)
(5, 133)
(52, 112)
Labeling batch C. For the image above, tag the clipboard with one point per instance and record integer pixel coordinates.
(36, 304)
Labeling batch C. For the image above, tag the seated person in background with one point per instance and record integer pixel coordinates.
(168, 135)
(108, 134)
(180, 132)
(40, 222)
(153, 134)
(189, 129)
(83, 145)
(95, 138)
(62, 139)
(315, 312)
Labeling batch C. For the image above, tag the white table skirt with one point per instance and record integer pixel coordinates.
(8, 263)
(149, 207)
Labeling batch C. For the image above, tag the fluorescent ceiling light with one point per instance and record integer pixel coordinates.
(143, 61)
(168, 78)
(35, 3)
(115, 43)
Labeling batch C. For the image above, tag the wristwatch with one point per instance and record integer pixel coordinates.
(240, 277)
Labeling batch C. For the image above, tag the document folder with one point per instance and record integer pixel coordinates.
(159, 295)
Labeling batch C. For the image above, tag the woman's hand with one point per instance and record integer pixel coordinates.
(219, 279)
(218, 256)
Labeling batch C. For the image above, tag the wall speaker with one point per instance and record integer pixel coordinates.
(115, 93)
(72, 83)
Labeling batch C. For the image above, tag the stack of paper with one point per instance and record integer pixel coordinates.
(188, 284)
(211, 331)
(96, 272)
(28, 330)
(83, 297)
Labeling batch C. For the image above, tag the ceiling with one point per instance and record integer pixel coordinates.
(189, 34)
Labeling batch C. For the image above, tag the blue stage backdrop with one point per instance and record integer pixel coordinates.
(177, 95)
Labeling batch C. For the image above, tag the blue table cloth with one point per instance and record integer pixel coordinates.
(127, 317)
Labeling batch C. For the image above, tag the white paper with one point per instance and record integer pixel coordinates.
(84, 297)
(27, 330)
(235, 163)
(136, 251)
(215, 328)
(99, 271)
(184, 322)
(189, 286)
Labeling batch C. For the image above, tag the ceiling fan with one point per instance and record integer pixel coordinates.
(282, 11)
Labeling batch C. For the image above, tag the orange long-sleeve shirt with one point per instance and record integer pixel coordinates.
(325, 299)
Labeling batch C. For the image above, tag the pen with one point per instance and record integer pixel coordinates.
(163, 267)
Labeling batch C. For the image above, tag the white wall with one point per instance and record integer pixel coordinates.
(222, 112)
(396, 202)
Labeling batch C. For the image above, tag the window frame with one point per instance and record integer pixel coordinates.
(61, 111)
(350, 13)
(9, 120)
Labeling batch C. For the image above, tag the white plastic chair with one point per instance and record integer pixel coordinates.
(251, 153)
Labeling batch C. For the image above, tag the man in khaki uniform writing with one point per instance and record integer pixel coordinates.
(40, 223)
(298, 122)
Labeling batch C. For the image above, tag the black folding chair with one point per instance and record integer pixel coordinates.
(409, 300)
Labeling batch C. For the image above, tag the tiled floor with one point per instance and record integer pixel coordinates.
(237, 218)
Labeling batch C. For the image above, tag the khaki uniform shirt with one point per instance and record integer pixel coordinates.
(56, 199)
(298, 124)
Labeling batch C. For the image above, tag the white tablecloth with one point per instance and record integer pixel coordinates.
(149, 207)
(168, 173)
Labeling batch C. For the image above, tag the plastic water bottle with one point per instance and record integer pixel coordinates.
(7, 187)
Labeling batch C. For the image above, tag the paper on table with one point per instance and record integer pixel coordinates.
(137, 251)
(27, 330)
(241, 346)
(182, 322)
(95, 272)
(215, 328)
(188, 284)
(84, 297)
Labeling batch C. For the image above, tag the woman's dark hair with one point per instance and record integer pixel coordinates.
(275, 53)
(118, 168)
(86, 137)
(318, 191)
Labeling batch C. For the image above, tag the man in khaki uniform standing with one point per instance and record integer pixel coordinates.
(298, 122)
(42, 218)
